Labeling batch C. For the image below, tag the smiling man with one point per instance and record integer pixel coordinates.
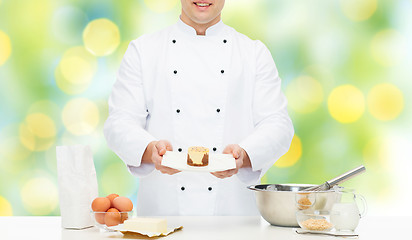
(197, 83)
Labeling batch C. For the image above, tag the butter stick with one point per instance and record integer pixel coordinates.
(140, 224)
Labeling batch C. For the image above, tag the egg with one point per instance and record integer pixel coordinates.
(99, 217)
(100, 204)
(112, 217)
(124, 216)
(123, 204)
(111, 197)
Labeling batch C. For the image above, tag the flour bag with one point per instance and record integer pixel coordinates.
(77, 185)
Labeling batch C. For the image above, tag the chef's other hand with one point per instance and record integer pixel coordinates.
(241, 158)
(158, 149)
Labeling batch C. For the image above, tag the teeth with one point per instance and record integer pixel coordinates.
(202, 4)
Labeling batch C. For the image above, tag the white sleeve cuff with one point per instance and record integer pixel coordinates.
(142, 171)
(248, 176)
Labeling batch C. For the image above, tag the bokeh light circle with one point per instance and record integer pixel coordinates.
(385, 101)
(5, 47)
(346, 104)
(388, 47)
(5, 207)
(41, 125)
(161, 6)
(75, 70)
(68, 87)
(101, 37)
(293, 155)
(305, 94)
(39, 196)
(80, 116)
(37, 132)
(358, 10)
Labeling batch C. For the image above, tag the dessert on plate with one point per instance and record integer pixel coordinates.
(198, 156)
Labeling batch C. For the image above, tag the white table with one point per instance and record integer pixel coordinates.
(215, 227)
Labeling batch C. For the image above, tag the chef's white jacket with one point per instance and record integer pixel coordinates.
(213, 90)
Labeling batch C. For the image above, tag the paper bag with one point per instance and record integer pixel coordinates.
(77, 185)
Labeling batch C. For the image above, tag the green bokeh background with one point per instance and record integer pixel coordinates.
(315, 38)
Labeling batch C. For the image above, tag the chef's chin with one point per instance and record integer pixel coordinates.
(203, 18)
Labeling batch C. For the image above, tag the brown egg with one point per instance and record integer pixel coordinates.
(124, 216)
(100, 204)
(112, 217)
(99, 217)
(123, 204)
(111, 197)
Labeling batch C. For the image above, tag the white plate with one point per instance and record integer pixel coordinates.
(217, 162)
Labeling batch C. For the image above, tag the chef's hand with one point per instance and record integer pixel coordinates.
(241, 158)
(154, 154)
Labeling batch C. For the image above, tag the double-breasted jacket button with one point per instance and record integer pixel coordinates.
(214, 149)
(224, 41)
(178, 110)
(222, 71)
(179, 149)
(175, 71)
(182, 188)
(218, 110)
(209, 188)
(173, 41)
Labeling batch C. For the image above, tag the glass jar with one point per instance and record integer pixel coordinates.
(345, 214)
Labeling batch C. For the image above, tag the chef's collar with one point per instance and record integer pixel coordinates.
(210, 31)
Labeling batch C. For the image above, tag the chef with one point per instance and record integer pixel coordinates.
(197, 83)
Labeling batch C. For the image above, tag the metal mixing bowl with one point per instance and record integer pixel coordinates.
(278, 203)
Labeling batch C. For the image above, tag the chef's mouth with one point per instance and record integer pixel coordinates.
(202, 4)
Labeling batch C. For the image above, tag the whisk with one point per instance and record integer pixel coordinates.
(339, 179)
